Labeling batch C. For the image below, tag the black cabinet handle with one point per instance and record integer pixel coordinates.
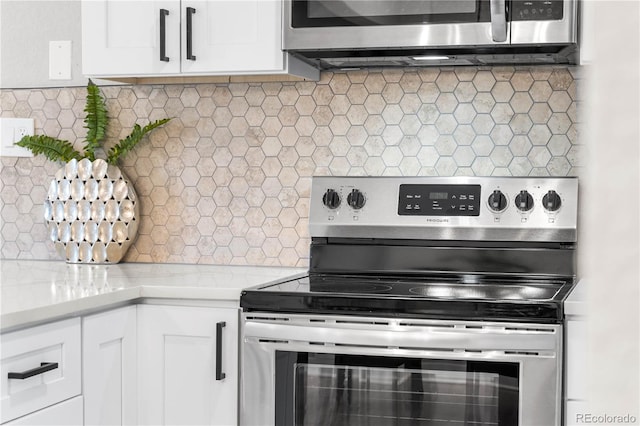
(44, 367)
(163, 35)
(219, 374)
(190, 12)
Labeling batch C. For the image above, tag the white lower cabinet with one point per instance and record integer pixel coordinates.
(41, 367)
(139, 364)
(187, 365)
(574, 412)
(66, 413)
(110, 374)
(575, 372)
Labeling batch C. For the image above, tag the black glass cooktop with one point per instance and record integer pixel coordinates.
(440, 296)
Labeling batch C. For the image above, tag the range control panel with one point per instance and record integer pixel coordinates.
(439, 200)
(454, 208)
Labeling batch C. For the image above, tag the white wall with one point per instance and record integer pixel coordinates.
(0, 44)
(26, 27)
(610, 240)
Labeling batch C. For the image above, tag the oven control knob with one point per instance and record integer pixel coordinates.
(331, 199)
(551, 201)
(356, 199)
(497, 201)
(524, 201)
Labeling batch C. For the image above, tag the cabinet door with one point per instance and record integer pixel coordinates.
(127, 37)
(109, 373)
(575, 413)
(576, 359)
(177, 365)
(232, 36)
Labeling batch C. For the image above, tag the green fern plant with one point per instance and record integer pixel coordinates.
(95, 121)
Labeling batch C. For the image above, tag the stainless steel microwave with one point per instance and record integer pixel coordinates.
(332, 33)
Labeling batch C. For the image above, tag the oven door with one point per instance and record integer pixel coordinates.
(356, 24)
(335, 370)
(318, 389)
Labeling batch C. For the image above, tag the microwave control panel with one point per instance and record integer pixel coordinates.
(536, 10)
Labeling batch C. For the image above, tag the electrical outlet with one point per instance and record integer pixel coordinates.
(21, 132)
(11, 131)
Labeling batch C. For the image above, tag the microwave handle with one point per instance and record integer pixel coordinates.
(498, 20)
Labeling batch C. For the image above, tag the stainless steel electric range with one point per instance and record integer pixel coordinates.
(429, 301)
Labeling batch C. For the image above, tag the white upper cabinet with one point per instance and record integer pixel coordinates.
(228, 36)
(130, 37)
(185, 38)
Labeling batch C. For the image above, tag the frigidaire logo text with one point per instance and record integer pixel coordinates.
(438, 220)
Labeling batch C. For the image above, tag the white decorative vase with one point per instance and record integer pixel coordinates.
(91, 212)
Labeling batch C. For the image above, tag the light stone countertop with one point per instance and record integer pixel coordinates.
(576, 302)
(33, 292)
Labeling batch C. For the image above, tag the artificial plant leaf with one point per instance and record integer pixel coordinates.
(53, 149)
(128, 143)
(95, 121)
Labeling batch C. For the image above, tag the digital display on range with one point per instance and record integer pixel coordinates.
(439, 200)
(438, 195)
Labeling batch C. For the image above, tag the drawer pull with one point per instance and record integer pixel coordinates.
(219, 374)
(44, 367)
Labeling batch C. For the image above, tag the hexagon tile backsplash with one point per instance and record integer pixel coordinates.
(228, 180)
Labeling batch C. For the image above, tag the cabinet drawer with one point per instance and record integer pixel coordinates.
(67, 413)
(25, 350)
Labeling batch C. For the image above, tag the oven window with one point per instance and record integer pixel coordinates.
(331, 13)
(316, 389)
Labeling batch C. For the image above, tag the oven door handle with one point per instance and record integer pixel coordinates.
(409, 337)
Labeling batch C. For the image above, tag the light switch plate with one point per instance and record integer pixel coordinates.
(11, 131)
(60, 60)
